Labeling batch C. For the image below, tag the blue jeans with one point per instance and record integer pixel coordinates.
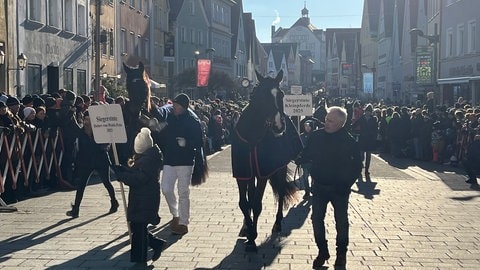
(321, 197)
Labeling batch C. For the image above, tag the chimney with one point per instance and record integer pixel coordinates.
(273, 30)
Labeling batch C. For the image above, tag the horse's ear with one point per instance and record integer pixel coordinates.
(259, 76)
(279, 77)
(125, 67)
(141, 66)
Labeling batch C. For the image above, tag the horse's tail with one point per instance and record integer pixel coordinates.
(200, 169)
(284, 187)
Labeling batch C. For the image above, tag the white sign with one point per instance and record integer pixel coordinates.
(296, 89)
(298, 105)
(107, 123)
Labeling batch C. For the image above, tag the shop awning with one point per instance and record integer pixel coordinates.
(455, 80)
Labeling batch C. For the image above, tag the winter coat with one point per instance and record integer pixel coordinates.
(186, 125)
(144, 187)
(368, 129)
(336, 160)
(91, 155)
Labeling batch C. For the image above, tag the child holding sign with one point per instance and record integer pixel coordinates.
(142, 177)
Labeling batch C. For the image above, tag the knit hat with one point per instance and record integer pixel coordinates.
(70, 95)
(78, 101)
(38, 101)
(143, 141)
(183, 100)
(50, 101)
(27, 111)
(27, 99)
(69, 99)
(11, 101)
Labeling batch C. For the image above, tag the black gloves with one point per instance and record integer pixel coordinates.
(118, 168)
(300, 160)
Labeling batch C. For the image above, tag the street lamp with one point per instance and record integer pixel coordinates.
(21, 61)
(433, 39)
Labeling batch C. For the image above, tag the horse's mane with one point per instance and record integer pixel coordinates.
(138, 86)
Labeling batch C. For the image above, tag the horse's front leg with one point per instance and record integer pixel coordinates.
(255, 194)
(277, 226)
(245, 206)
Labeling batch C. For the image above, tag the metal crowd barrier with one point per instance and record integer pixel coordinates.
(30, 156)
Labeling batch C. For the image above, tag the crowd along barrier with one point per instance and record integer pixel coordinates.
(32, 156)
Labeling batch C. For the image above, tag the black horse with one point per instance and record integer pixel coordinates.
(138, 112)
(264, 142)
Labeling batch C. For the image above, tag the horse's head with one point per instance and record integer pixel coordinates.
(138, 86)
(264, 113)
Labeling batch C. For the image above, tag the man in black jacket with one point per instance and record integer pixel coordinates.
(336, 164)
(181, 137)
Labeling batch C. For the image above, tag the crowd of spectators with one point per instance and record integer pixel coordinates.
(49, 113)
(426, 132)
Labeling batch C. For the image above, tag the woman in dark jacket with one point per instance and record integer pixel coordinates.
(144, 195)
(91, 156)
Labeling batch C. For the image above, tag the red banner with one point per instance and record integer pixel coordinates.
(203, 72)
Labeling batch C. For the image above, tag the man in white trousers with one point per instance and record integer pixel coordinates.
(178, 141)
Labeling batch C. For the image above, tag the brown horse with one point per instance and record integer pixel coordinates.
(264, 142)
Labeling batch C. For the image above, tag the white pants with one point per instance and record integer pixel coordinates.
(180, 208)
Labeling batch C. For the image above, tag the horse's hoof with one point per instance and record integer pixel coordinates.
(277, 228)
(250, 246)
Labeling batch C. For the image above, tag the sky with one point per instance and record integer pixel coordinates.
(284, 13)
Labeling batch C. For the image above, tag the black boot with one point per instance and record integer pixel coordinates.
(114, 206)
(74, 212)
(341, 260)
(320, 260)
(157, 245)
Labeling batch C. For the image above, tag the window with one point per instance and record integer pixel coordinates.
(472, 36)
(68, 79)
(449, 42)
(191, 35)
(123, 41)
(140, 46)
(82, 20)
(146, 7)
(132, 3)
(192, 7)
(103, 41)
(460, 40)
(184, 64)
(69, 16)
(147, 49)
(53, 16)
(200, 37)
(183, 34)
(35, 10)
(132, 43)
(34, 81)
(111, 38)
(81, 81)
